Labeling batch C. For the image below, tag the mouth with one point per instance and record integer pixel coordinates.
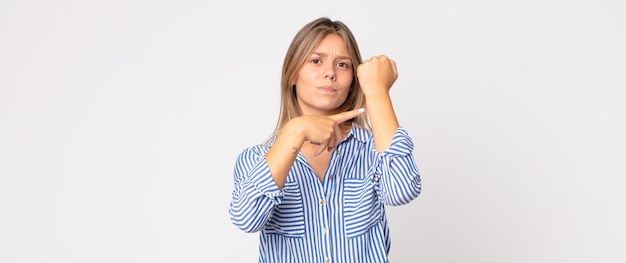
(327, 89)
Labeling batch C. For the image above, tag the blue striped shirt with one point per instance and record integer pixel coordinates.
(338, 219)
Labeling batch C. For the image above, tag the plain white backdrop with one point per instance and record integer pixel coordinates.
(120, 122)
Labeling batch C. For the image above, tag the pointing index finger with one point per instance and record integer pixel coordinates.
(344, 116)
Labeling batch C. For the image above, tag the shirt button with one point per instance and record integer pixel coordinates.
(325, 231)
(377, 176)
(327, 260)
(322, 202)
(330, 176)
(338, 152)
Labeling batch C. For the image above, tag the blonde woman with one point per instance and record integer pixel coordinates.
(316, 190)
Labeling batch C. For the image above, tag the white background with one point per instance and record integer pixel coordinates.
(121, 120)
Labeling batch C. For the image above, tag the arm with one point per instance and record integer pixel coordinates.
(260, 174)
(255, 194)
(322, 130)
(397, 175)
(376, 76)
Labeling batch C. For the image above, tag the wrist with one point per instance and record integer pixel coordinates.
(372, 96)
(293, 132)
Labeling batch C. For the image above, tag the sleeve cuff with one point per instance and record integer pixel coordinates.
(264, 182)
(401, 144)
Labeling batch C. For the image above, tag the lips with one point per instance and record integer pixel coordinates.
(327, 89)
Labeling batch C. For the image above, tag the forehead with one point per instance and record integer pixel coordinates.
(332, 44)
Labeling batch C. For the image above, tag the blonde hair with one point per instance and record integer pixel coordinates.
(300, 49)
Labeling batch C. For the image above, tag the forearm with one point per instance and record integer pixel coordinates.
(282, 154)
(396, 171)
(383, 119)
(400, 182)
(255, 194)
(250, 210)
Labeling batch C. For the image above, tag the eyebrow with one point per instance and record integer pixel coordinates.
(326, 55)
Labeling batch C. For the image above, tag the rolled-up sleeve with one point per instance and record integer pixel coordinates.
(396, 174)
(255, 193)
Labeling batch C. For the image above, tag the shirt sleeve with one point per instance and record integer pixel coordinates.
(396, 175)
(255, 193)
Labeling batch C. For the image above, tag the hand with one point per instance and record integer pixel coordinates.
(322, 130)
(377, 74)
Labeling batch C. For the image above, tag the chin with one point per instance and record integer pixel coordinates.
(329, 107)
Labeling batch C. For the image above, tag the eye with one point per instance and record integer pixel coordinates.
(316, 61)
(343, 65)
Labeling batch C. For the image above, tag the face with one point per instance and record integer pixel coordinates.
(324, 80)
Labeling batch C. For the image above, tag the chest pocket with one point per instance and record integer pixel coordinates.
(288, 217)
(362, 210)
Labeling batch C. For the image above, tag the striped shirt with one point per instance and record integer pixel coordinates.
(338, 219)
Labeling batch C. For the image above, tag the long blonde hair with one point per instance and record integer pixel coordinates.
(300, 49)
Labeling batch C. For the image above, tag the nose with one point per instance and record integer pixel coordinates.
(329, 74)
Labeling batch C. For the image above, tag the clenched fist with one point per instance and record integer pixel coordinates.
(377, 74)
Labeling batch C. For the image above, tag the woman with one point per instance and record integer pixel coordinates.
(316, 190)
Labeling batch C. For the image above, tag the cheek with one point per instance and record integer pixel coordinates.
(309, 76)
(346, 81)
